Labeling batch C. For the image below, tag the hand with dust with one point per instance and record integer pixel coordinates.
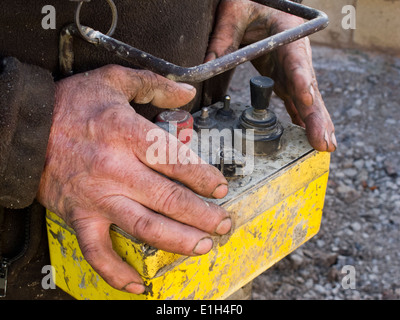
(242, 22)
(97, 173)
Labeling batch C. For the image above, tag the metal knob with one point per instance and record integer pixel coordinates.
(261, 91)
(267, 128)
(204, 121)
(225, 113)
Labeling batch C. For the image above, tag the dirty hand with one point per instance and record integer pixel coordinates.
(97, 173)
(242, 22)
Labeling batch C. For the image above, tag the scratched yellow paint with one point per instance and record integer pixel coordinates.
(271, 221)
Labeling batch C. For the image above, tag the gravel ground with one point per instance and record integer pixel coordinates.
(361, 222)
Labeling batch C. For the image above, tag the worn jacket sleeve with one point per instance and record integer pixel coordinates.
(26, 105)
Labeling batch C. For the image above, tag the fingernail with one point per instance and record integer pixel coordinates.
(224, 227)
(311, 94)
(326, 138)
(186, 86)
(333, 140)
(135, 288)
(203, 246)
(220, 191)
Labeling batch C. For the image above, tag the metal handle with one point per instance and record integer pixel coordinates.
(317, 21)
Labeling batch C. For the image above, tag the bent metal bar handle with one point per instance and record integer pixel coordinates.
(317, 21)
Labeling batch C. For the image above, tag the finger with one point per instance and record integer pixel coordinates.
(317, 128)
(158, 230)
(157, 149)
(320, 129)
(232, 20)
(304, 94)
(174, 200)
(142, 86)
(165, 154)
(93, 234)
(160, 194)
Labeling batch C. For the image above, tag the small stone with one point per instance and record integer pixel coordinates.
(309, 283)
(320, 243)
(347, 163)
(331, 259)
(369, 164)
(320, 289)
(348, 194)
(390, 168)
(380, 158)
(356, 226)
(390, 121)
(395, 219)
(300, 280)
(326, 259)
(296, 259)
(333, 274)
(359, 164)
(351, 172)
(365, 235)
(353, 113)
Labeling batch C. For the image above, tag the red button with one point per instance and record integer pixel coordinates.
(182, 119)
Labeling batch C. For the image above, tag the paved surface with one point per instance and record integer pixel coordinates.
(361, 223)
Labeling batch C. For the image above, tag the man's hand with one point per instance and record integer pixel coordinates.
(241, 22)
(97, 174)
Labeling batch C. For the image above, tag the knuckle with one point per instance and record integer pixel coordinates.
(207, 178)
(112, 71)
(208, 182)
(200, 177)
(172, 199)
(92, 249)
(88, 245)
(148, 81)
(113, 76)
(114, 123)
(176, 170)
(92, 253)
(204, 178)
(145, 225)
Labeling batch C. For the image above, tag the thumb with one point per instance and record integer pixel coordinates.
(228, 32)
(142, 86)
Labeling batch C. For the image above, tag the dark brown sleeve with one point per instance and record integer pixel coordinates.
(26, 105)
